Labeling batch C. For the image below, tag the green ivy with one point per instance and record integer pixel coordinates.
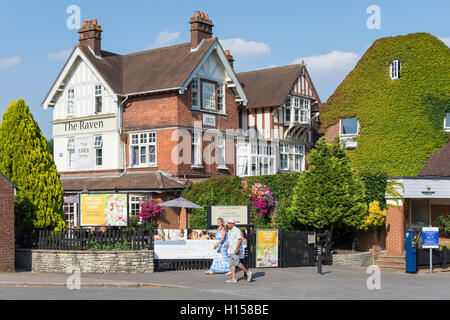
(400, 120)
(376, 184)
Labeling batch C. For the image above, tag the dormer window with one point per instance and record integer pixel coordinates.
(394, 69)
(195, 94)
(349, 127)
(447, 122)
(98, 99)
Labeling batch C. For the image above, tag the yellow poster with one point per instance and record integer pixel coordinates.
(104, 210)
(267, 248)
(92, 210)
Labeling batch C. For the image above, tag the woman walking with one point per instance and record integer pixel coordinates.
(220, 262)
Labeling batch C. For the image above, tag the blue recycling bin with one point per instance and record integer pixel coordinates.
(411, 251)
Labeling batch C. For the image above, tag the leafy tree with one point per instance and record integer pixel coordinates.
(26, 161)
(330, 194)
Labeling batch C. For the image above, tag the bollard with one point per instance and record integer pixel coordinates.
(319, 254)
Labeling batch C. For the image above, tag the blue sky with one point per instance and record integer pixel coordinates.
(329, 35)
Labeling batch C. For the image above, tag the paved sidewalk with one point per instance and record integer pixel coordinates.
(337, 282)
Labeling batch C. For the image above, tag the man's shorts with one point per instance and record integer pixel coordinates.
(234, 259)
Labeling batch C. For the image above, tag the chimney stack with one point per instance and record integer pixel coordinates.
(90, 36)
(201, 28)
(229, 57)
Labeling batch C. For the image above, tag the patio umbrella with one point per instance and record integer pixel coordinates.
(181, 203)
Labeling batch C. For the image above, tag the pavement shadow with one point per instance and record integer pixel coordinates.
(258, 275)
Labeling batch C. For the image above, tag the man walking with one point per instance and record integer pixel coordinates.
(235, 250)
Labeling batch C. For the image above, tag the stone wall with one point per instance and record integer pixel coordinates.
(353, 259)
(85, 261)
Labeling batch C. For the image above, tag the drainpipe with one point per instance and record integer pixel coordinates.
(121, 131)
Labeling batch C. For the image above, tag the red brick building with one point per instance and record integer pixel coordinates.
(145, 123)
(7, 191)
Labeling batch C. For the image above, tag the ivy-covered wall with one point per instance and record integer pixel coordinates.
(401, 121)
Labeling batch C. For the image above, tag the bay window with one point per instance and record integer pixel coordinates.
(255, 158)
(291, 157)
(143, 149)
(209, 96)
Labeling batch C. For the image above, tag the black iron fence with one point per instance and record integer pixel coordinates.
(439, 257)
(88, 240)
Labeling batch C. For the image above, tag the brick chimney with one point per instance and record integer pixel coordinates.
(229, 57)
(201, 28)
(90, 36)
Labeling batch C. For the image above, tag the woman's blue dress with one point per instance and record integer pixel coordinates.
(220, 262)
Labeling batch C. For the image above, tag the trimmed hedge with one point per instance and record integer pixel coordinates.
(400, 120)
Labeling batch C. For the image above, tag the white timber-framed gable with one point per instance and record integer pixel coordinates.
(59, 84)
(86, 123)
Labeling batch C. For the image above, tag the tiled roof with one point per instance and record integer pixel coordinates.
(269, 87)
(438, 165)
(151, 70)
(129, 181)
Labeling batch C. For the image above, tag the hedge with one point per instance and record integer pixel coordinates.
(401, 121)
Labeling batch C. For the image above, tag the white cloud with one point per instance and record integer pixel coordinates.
(330, 62)
(242, 49)
(9, 62)
(62, 55)
(164, 39)
(445, 40)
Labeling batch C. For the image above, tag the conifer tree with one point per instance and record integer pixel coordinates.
(26, 161)
(330, 193)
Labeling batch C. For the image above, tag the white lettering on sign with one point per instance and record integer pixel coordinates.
(209, 120)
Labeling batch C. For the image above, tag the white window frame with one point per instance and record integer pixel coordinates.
(292, 153)
(196, 150)
(447, 124)
(195, 90)
(255, 158)
(221, 98)
(209, 96)
(70, 107)
(98, 147)
(71, 214)
(287, 110)
(394, 69)
(98, 98)
(220, 149)
(341, 128)
(134, 203)
(70, 151)
(143, 142)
